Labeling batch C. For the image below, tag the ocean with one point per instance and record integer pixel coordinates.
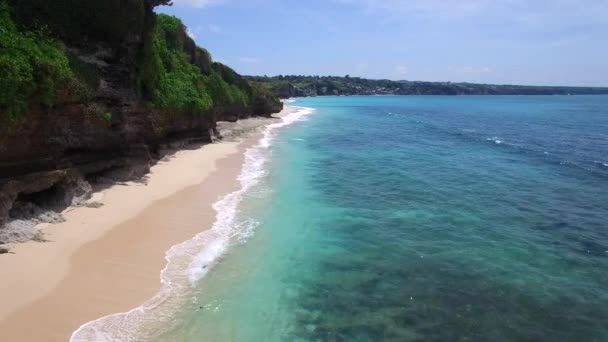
(411, 218)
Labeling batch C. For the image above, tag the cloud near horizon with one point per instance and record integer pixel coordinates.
(401, 70)
(537, 42)
(532, 14)
(250, 60)
(468, 69)
(196, 3)
(214, 28)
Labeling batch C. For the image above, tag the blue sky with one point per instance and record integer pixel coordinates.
(542, 42)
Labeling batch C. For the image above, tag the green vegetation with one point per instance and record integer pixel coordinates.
(224, 93)
(33, 68)
(169, 80)
(176, 76)
(264, 101)
(86, 79)
(171, 73)
(294, 86)
(85, 72)
(76, 20)
(107, 116)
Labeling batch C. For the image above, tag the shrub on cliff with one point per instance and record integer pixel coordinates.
(33, 68)
(178, 75)
(168, 79)
(263, 100)
(76, 21)
(224, 94)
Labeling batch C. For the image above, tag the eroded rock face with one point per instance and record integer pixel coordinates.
(48, 154)
(46, 157)
(106, 136)
(102, 127)
(55, 189)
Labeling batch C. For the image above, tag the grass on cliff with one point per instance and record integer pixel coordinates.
(174, 74)
(224, 93)
(173, 82)
(33, 68)
(169, 80)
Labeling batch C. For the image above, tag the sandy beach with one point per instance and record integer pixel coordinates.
(106, 260)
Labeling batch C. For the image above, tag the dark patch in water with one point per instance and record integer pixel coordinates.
(440, 242)
(593, 248)
(435, 300)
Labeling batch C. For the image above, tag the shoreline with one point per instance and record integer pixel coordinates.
(107, 260)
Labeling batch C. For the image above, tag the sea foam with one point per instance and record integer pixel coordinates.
(496, 140)
(189, 261)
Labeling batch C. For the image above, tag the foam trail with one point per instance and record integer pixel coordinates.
(496, 140)
(190, 260)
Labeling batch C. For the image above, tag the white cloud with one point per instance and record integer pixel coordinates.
(401, 70)
(221, 60)
(361, 67)
(468, 70)
(249, 60)
(214, 28)
(190, 34)
(421, 7)
(200, 30)
(529, 14)
(196, 3)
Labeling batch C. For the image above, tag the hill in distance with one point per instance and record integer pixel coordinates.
(302, 86)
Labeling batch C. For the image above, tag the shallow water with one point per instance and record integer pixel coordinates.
(419, 219)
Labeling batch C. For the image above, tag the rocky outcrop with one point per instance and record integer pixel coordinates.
(37, 198)
(27, 185)
(266, 104)
(102, 126)
(285, 90)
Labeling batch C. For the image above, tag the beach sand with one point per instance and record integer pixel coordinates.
(108, 260)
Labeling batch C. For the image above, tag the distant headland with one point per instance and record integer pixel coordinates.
(303, 86)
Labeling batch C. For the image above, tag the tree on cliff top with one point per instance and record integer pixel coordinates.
(33, 68)
(155, 3)
(76, 21)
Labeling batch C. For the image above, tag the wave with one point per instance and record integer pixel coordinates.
(189, 261)
(597, 168)
(496, 140)
(548, 154)
(601, 163)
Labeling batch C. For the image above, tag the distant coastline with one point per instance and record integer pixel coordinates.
(307, 86)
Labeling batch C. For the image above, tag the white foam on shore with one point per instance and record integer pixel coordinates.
(190, 261)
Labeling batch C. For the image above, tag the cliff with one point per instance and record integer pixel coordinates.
(93, 91)
(302, 86)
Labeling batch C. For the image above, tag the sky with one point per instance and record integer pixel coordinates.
(533, 42)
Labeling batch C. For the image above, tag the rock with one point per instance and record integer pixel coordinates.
(50, 217)
(3, 250)
(102, 126)
(26, 185)
(93, 205)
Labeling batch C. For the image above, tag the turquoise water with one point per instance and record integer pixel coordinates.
(420, 219)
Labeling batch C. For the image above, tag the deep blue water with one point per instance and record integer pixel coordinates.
(422, 219)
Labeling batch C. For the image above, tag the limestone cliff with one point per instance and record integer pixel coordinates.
(96, 88)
